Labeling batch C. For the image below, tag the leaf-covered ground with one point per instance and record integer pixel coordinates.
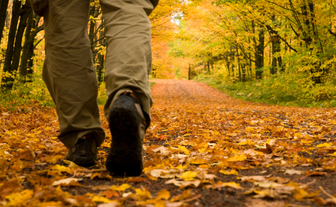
(202, 149)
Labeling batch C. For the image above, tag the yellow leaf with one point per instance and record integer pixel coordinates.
(203, 150)
(220, 184)
(143, 194)
(250, 129)
(198, 161)
(16, 198)
(61, 168)
(51, 203)
(324, 145)
(101, 175)
(185, 195)
(237, 158)
(123, 187)
(70, 164)
(160, 203)
(181, 167)
(100, 199)
(242, 143)
(163, 194)
(226, 172)
(189, 175)
(203, 166)
(183, 149)
(230, 184)
(299, 194)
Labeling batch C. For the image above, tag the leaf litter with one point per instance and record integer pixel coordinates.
(203, 148)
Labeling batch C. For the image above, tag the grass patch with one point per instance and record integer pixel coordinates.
(282, 90)
(151, 84)
(36, 93)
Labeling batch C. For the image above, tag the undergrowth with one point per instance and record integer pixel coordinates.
(285, 90)
(35, 92)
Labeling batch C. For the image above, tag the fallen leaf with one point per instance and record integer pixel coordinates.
(227, 172)
(268, 184)
(293, 172)
(189, 175)
(142, 194)
(67, 182)
(122, 187)
(163, 194)
(184, 184)
(263, 203)
(237, 158)
(163, 150)
(184, 149)
(220, 185)
(110, 204)
(253, 178)
(101, 175)
(101, 199)
(159, 173)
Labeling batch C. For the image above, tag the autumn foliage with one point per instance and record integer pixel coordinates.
(203, 148)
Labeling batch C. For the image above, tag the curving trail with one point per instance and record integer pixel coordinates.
(255, 145)
(203, 148)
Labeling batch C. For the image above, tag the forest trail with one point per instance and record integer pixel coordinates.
(203, 148)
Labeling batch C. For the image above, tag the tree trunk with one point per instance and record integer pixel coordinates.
(243, 68)
(208, 65)
(226, 58)
(232, 54)
(276, 61)
(28, 48)
(259, 55)
(10, 44)
(3, 14)
(24, 56)
(25, 12)
(238, 64)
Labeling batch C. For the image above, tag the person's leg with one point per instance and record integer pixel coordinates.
(129, 54)
(69, 72)
(128, 64)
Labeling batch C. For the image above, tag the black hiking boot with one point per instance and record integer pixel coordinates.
(84, 153)
(128, 126)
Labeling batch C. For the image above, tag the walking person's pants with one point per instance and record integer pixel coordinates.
(69, 72)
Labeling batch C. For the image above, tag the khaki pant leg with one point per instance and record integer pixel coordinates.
(129, 54)
(69, 72)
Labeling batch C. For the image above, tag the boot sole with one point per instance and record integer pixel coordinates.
(84, 162)
(125, 155)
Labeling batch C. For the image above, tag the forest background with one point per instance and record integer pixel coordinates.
(271, 51)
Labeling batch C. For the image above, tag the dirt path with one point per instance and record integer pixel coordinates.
(203, 149)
